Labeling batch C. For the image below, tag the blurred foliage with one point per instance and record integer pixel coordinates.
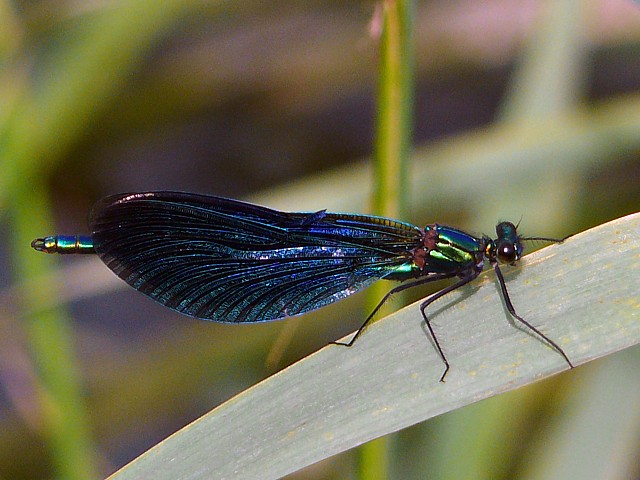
(232, 98)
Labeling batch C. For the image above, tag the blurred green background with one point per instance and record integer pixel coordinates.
(523, 109)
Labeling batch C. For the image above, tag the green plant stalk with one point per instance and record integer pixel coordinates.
(391, 157)
(394, 109)
(374, 457)
(64, 417)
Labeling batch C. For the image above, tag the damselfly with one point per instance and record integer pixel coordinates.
(228, 261)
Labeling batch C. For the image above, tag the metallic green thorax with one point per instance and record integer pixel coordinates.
(455, 248)
(443, 250)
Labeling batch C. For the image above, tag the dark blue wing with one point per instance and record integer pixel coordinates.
(230, 261)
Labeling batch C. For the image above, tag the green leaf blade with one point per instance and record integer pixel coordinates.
(583, 294)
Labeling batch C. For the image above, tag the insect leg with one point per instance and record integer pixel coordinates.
(423, 306)
(512, 311)
(389, 294)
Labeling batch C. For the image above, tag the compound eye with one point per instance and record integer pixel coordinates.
(508, 252)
